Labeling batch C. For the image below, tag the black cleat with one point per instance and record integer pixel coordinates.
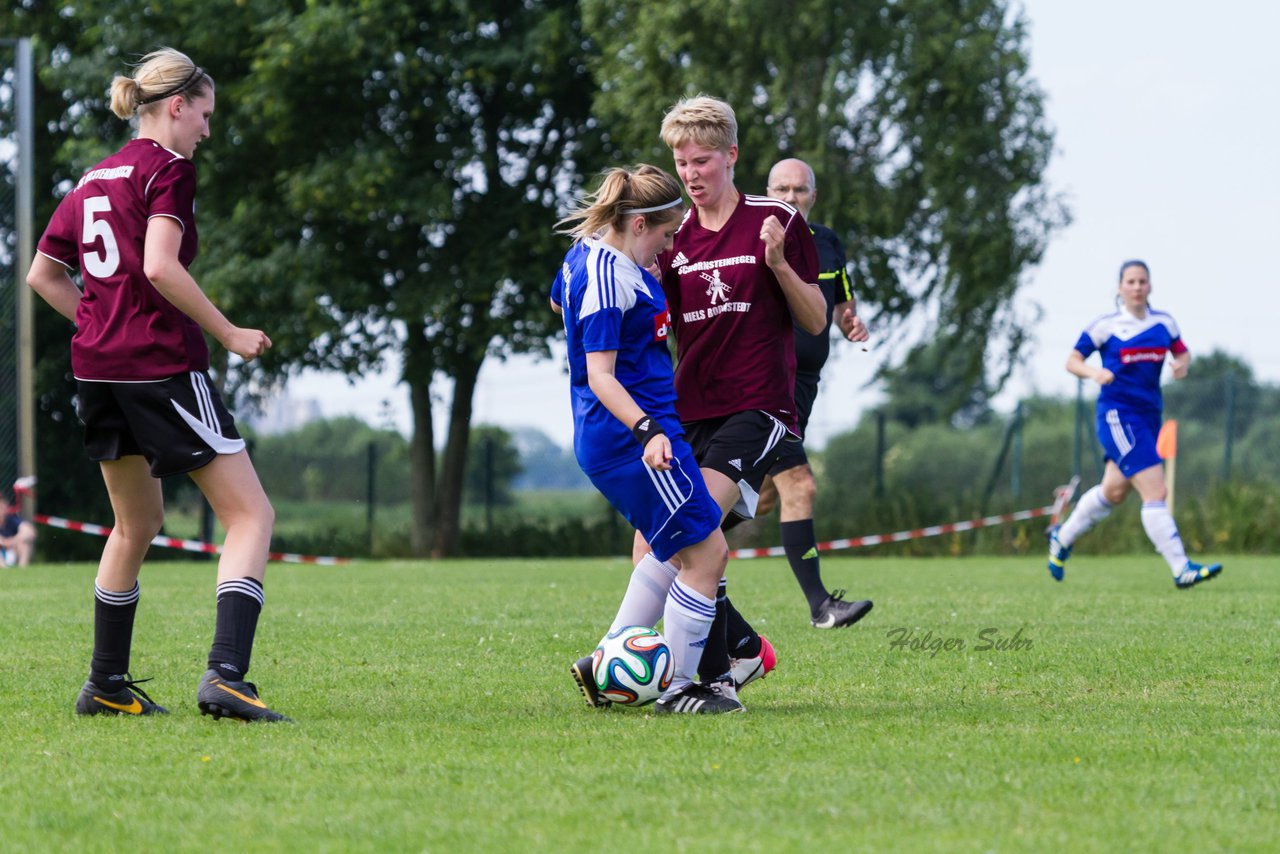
(835, 613)
(129, 700)
(239, 700)
(698, 699)
(583, 671)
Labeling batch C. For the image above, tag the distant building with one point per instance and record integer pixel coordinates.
(281, 413)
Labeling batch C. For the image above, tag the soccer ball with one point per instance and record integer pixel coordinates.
(632, 666)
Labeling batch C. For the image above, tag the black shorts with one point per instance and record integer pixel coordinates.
(178, 424)
(742, 447)
(792, 454)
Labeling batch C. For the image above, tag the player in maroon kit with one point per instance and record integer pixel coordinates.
(143, 389)
(740, 269)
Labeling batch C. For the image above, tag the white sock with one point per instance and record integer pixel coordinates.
(1158, 522)
(686, 621)
(1091, 509)
(646, 593)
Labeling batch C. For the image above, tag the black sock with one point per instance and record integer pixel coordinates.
(239, 603)
(743, 640)
(112, 635)
(801, 546)
(715, 655)
(731, 521)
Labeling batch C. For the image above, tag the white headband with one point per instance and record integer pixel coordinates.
(671, 204)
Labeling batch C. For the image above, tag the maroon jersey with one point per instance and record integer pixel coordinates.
(735, 343)
(126, 330)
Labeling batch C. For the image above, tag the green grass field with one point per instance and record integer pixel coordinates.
(435, 712)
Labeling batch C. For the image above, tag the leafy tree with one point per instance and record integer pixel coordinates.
(920, 118)
(932, 388)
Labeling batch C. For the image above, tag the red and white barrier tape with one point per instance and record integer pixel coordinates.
(185, 545)
(900, 536)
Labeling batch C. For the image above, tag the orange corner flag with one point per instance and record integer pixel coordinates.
(1167, 441)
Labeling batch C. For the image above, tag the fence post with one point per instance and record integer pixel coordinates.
(1077, 446)
(488, 482)
(880, 455)
(372, 493)
(1230, 425)
(1015, 467)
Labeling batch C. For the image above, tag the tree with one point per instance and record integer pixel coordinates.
(930, 387)
(920, 118)
(383, 177)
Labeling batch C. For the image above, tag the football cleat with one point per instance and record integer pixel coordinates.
(835, 613)
(1058, 554)
(1193, 573)
(129, 700)
(584, 674)
(747, 670)
(697, 699)
(239, 700)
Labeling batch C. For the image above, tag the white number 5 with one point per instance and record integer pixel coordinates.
(103, 264)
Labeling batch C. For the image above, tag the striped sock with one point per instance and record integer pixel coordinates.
(113, 614)
(686, 620)
(239, 603)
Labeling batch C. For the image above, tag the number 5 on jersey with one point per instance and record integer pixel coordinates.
(100, 265)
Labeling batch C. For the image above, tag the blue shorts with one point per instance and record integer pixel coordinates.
(672, 509)
(1129, 438)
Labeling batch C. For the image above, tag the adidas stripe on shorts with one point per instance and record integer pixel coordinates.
(179, 424)
(1129, 438)
(672, 509)
(743, 447)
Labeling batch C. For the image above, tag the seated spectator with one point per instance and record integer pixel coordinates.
(17, 535)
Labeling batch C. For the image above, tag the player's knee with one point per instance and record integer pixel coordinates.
(143, 528)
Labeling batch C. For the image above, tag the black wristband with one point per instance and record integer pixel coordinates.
(645, 429)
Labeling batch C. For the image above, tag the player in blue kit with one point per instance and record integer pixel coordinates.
(626, 434)
(1133, 343)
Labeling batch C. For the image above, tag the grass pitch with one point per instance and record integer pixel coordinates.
(980, 706)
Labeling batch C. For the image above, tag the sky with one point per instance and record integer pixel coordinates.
(1166, 119)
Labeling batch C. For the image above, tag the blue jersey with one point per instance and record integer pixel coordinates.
(1134, 350)
(609, 303)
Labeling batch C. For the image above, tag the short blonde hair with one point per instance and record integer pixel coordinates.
(645, 190)
(161, 74)
(705, 121)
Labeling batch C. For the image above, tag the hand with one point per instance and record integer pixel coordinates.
(654, 270)
(657, 453)
(774, 237)
(1179, 369)
(1104, 377)
(852, 326)
(248, 344)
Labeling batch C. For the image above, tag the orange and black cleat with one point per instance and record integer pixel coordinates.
(128, 699)
(239, 700)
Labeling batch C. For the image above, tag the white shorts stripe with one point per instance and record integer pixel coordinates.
(1123, 445)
